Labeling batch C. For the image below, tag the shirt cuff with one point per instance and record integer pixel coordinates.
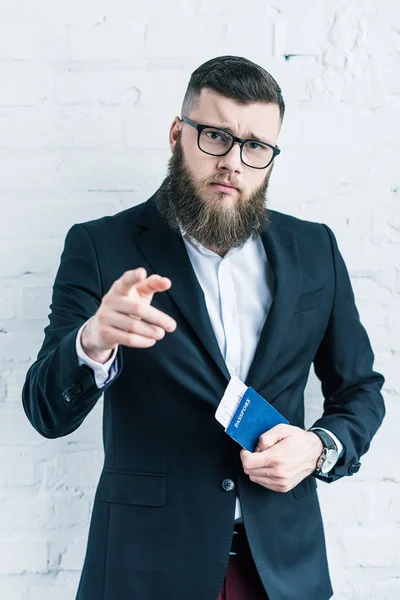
(101, 372)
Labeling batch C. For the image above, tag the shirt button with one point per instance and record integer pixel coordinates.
(228, 485)
(229, 316)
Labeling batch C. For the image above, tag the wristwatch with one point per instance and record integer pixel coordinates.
(329, 455)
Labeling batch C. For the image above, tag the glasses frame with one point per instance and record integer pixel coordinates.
(235, 140)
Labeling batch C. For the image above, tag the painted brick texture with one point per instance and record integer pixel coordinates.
(87, 93)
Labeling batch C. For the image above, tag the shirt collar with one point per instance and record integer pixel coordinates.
(206, 251)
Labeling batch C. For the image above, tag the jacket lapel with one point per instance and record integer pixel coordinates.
(281, 249)
(165, 252)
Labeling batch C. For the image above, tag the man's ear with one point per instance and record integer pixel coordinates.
(174, 133)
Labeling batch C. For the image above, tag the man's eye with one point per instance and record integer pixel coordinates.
(255, 146)
(214, 135)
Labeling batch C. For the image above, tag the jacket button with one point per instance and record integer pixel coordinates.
(228, 485)
(75, 389)
(354, 468)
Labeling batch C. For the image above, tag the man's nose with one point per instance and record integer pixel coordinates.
(231, 161)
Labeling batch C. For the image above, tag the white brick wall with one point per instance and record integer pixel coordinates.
(87, 92)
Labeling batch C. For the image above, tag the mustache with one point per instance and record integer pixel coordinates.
(222, 178)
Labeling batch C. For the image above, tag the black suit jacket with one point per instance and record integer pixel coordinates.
(162, 523)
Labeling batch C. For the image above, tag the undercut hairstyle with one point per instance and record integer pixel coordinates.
(233, 77)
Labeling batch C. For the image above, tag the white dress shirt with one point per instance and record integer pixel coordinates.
(101, 371)
(238, 290)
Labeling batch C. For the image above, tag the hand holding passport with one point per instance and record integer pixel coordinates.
(246, 415)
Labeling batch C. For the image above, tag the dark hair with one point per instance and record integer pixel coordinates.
(234, 77)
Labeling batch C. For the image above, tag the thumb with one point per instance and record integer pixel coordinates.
(125, 283)
(273, 436)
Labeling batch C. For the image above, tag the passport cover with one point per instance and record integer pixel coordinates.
(253, 417)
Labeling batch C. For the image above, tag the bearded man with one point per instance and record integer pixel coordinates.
(157, 307)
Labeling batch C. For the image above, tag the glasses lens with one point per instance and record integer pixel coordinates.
(257, 155)
(214, 141)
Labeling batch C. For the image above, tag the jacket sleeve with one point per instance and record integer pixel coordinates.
(58, 393)
(353, 404)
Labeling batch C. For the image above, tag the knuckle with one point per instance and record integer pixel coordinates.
(135, 306)
(274, 463)
(131, 339)
(101, 316)
(286, 487)
(245, 464)
(132, 326)
(106, 299)
(279, 472)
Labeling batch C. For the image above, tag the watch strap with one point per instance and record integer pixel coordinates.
(326, 439)
(329, 446)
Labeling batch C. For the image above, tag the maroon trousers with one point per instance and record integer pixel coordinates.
(242, 581)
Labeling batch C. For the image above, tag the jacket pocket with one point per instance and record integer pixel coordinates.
(305, 487)
(146, 489)
(310, 300)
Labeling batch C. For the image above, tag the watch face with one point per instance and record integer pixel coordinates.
(329, 462)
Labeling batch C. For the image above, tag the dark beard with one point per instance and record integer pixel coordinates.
(180, 203)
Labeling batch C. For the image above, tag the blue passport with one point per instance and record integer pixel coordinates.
(253, 417)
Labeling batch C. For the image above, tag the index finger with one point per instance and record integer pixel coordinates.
(154, 283)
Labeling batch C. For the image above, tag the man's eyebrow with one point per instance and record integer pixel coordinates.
(250, 136)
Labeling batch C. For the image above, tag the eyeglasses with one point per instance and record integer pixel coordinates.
(218, 142)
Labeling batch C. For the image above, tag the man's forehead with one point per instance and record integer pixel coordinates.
(256, 119)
